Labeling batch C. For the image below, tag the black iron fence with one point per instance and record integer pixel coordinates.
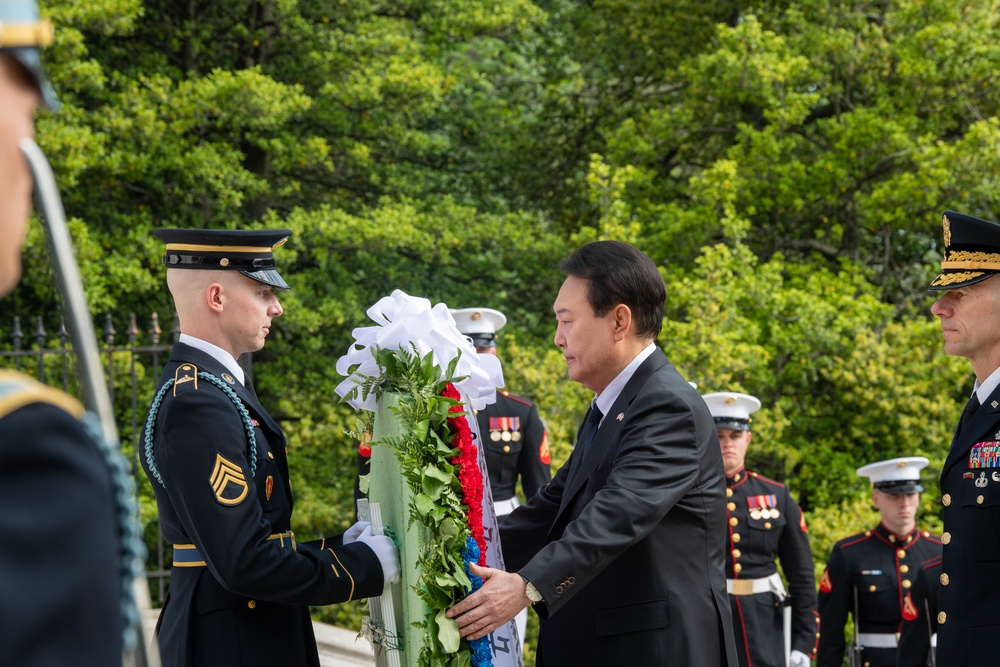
(133, 358)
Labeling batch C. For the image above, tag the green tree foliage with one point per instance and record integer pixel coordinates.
(786, 164)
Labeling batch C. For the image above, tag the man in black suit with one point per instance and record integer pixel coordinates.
(969, 311)
(622, 553)
(62, 513)
(240, 583)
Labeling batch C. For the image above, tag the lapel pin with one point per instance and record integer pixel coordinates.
(621, 416)
(994, 404)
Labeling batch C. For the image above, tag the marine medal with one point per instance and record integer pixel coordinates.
(505, 436)
(494, 436)
(515, 436)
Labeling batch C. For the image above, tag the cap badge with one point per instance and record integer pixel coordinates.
(946, 223)
(730, 399)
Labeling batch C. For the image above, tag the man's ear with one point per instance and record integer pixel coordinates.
(215, 298)
(623, 321)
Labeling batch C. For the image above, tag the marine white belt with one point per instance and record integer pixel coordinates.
(505, 507)
(770, 584)
(878, 639)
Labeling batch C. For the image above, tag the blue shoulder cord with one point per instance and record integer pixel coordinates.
(155, 409)
(132, 548)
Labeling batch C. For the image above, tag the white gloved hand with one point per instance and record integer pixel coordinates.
(798, 659)
(352, 533)
(388, 555)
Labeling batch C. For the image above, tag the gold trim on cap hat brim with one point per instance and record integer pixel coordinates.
(969, 260)
(192, 247)
(960, 277)
(14, 35)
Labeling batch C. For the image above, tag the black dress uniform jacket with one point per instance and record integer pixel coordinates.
(247, 604)
(765, 523)
(882, 568)
(60, 581)
(626, 544)
(515, 444)
(920, 610)
(969, 619)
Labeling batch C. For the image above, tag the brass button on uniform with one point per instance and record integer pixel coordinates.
(946, 538)
(736, 537)
(904, 568)
(737, 553)
(901, 553)
(942, 618)
(946, 500)
(767, 524)
(506, 448)
(872, 588)
(252, 604)
(729, 493)
(737, 568)
(906, 583)
(733, 521)
(731, 506)
(945, 579)
(979, 500)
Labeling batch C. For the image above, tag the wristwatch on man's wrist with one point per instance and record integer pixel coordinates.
(530, 591)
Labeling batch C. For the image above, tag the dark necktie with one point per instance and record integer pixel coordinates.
(970, 409)
(590, 428)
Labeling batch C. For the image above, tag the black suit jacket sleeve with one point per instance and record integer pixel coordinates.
(655, 467)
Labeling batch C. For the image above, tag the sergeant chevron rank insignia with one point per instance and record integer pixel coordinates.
(228, 482)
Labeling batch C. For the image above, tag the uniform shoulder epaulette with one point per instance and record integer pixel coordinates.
(186, 376)
(18, 390)
(761, 478)
(519, 399)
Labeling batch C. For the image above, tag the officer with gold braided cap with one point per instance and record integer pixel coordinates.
(869, 574)
(969, 311)
(765, 526)
(241, 584)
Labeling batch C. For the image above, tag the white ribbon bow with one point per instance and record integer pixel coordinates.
(410, 323)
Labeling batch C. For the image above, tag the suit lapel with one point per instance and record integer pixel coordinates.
(607, 435)
(976, 430)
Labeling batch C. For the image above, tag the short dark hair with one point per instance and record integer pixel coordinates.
(620, 273)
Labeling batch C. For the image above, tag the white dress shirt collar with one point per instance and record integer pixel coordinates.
(614, 389)
(216, 353)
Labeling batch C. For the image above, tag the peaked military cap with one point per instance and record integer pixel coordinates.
(21, 35)
(895, 476)
(479, 324)
(245, 250)
(971, 251)
(731, 410)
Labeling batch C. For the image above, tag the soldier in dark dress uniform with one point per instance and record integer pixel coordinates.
(515, 441)
(765, 525)
(63, 510)
(869, 574)
(918, 635)
(240, 582)
(969, 310)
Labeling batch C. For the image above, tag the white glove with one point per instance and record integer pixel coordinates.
(388, 556)
(352, 533)
(798, 659)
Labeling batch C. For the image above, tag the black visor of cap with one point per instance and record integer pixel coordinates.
(483, 339)
(732, 423)
(899, 486)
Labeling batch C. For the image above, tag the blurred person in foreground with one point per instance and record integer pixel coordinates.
(969, 311)
(65, 494)
(622, 553)
(240, 584)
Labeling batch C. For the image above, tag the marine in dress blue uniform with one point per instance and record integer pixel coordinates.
(765, 525)
(877, 568)
(918, 634)
(969, 310)
(240, 584)
(515, 441)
